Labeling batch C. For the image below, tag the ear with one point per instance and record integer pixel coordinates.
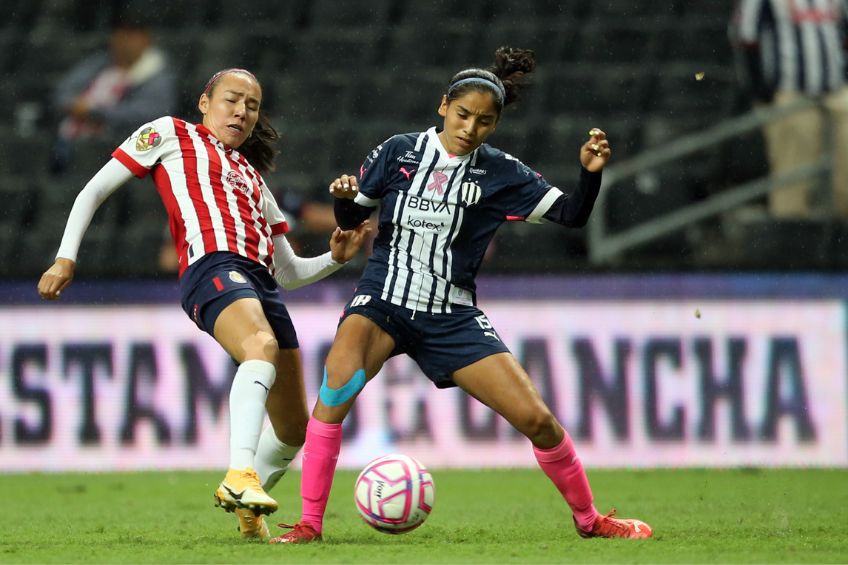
(203, 104)
(443, 107)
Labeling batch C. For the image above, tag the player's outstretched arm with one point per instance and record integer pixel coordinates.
(105, 182)
(293, 272)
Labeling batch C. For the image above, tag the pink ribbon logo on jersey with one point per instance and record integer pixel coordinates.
(438, 184)
(237, 181)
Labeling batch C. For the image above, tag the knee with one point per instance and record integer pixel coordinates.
(260, 345)
(340, 369)
(540, 427)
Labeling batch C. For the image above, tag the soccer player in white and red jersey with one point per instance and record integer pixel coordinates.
(442, 195)
(229, 237)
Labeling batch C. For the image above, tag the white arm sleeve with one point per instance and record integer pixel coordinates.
(294, 272)
(105, 182)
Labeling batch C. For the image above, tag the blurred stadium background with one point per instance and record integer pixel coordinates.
(709, 336)
(339, 77)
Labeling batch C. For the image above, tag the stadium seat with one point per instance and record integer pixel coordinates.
(445, 46)
(309, 100)
(620, 41)
(343, 17)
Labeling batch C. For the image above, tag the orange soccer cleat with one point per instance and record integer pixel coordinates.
(607, 526)
(300, 533)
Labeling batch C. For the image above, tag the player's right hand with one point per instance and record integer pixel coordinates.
(56, 278)
(346, 186)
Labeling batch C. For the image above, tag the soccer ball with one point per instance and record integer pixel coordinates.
(394, 494)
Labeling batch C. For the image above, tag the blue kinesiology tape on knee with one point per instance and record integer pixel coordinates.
(338, 396)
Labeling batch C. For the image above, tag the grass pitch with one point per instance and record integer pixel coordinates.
(504, 516)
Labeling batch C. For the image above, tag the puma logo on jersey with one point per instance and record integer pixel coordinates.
(407, 174)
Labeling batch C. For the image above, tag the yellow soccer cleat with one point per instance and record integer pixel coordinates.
(252, 526)
(241, 489)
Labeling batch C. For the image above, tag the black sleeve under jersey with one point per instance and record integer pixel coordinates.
(573, 210)
(349, 214)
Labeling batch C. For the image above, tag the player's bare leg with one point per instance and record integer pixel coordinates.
(499, 381)
(358, 353)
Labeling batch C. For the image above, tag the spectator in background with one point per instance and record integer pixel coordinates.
(794, 49)
(111, 92)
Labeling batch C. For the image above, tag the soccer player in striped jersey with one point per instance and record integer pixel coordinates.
(230, 238)
(443, 193)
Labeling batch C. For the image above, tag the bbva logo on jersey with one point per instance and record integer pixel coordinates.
(471, 193)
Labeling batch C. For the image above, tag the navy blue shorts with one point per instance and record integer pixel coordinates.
(219, 279)
(439, 343)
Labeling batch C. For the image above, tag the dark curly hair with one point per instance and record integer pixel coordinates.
(506, 78)
(259, 148)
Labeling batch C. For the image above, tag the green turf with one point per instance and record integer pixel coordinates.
(510, 516)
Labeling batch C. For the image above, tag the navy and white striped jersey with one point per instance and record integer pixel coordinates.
(793, 45)
(438, 215)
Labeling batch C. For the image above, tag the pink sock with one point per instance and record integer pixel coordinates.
(562, 466)
(320, 454)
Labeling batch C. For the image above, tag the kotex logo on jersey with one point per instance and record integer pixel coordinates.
(426, 214)
(237, 182)
(147, 139)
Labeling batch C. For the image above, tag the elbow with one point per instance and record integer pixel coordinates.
(286, 281)
(577, 221)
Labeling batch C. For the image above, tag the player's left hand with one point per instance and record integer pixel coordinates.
(345, 244)
(596, 152)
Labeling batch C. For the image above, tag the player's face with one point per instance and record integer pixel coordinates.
(232, 110)
(469, 120)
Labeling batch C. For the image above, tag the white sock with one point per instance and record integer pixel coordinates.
(273, 458)
(251, 384)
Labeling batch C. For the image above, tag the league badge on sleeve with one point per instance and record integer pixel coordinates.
(147, 139)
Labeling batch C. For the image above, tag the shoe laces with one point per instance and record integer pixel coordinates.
(609, 524)
(299, 530)
(252, 479)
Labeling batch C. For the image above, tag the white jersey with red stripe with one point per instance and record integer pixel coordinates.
(216, 201)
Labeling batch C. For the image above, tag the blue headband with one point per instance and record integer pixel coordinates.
(499, 89)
